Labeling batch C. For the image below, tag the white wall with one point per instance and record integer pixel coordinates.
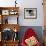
(32, 4)
(27, 4)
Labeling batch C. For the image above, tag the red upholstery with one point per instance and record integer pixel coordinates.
(29, 33)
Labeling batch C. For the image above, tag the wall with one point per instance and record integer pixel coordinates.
(32, 4)
(38, 30)
(26, 4)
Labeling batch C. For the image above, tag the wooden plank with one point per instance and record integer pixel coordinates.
(10, 26)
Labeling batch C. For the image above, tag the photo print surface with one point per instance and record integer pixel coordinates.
(30, 13)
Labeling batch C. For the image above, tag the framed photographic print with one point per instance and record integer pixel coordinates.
(30, 13)
(5, 12)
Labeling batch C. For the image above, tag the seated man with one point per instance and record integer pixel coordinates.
(30, 38)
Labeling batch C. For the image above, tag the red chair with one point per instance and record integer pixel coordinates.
(29, 33)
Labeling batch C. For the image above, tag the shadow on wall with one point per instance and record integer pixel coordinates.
(37, 29)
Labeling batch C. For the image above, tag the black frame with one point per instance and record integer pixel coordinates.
(28, 10)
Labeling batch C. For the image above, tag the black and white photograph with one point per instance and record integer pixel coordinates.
(30, 13)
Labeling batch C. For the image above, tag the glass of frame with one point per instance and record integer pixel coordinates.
(30, 13)
(5, 12)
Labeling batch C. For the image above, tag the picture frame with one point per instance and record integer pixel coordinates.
(30, 13)
(5, 12)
